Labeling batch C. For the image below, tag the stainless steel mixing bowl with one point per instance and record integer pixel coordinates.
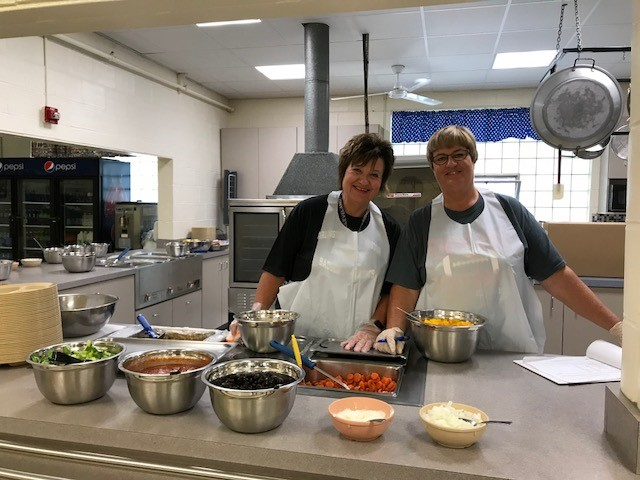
(447, 344)
(259, 327)
(77, 382)
(53, 254)
(100, 249)
(5, 269)
(76, 262)
(177, 249)
(252, 411)
(172, 391)
(85, 314)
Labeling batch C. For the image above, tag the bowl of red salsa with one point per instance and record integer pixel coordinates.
(167, 381)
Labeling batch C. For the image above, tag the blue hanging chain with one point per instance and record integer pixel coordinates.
(343, 215)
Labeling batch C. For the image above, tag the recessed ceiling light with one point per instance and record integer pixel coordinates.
(282, 72)
(537, 58)
(231, 22)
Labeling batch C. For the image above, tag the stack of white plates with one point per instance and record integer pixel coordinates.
(29, 319)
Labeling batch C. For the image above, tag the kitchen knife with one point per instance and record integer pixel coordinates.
(307, 362)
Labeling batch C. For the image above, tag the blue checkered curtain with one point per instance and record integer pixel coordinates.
(488, 125)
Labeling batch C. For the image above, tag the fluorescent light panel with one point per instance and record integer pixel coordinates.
(231, 22)
(537, 58)
(282, 72)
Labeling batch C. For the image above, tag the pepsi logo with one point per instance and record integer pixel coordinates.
(49, 166)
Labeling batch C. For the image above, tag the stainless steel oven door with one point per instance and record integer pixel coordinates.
(253, 227)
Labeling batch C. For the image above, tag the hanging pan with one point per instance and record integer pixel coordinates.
(577, 107)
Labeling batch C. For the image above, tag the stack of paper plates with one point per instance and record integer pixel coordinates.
(29, 319)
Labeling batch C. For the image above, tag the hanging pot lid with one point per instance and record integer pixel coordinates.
(593, 152)
(577, 107)
(620, 142)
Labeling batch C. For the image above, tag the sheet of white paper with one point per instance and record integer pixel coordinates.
(568, 369)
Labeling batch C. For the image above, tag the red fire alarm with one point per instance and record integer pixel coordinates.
(51, 115)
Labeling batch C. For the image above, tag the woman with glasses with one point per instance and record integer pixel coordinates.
(333, 252)
(474, 250)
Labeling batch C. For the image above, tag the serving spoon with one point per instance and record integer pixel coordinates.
(474, 423)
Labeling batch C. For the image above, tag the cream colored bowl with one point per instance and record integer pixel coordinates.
(31, 262)
(454, 437)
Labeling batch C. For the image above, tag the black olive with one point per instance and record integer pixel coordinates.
(253, 380)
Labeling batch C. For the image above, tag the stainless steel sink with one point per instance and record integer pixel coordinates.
(137, 258)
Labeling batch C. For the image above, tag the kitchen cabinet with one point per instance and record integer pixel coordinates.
(215, 288)
(567, 332)
(184, 311)
(122, 288)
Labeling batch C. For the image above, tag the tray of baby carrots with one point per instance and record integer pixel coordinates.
(372, 378)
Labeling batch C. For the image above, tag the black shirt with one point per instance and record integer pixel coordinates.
(292, 253)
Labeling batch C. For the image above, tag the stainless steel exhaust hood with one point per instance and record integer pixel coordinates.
(314, 172)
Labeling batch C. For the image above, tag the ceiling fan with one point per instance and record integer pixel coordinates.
(399, 91)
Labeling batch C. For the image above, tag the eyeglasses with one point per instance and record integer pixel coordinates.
(457, 156)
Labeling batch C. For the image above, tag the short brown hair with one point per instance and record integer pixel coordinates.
(364, 149)
(452, 136)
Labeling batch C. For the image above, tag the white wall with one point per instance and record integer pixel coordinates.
(104, 106)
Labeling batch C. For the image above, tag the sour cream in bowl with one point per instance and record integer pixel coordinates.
(443, 422)
(352, 417)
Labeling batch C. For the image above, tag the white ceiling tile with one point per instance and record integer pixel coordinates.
(457, 52)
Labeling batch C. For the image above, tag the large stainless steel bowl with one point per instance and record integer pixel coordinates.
(100, 249)
(447, 344)
(5, 269)
(177, 388)
(177, 249)
(53, 254)
(252, 411)
(195, 245)
(77, 382)
(84, 314)
(259, 327)
(76, 262)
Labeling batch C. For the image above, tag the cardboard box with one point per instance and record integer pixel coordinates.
(203, 233)
(590, 249)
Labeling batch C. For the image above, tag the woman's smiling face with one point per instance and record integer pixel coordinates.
(456, 172)
(361, 183)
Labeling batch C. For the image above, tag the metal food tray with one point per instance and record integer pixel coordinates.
(343, 367)
(198, 334)
(135, 340)
(332, 347)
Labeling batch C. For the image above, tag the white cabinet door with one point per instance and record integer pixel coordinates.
(187, 310)
(159, 314)
(123, 288)
(579, 332)
(215, 287)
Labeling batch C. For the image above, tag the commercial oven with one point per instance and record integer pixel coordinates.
(253, 227)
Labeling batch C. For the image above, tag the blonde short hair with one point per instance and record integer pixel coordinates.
(449, 137)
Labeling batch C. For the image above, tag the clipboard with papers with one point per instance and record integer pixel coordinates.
(602, 363)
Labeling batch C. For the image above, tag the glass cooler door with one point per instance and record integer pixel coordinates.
(77, 200)
(36, 211)
(5, 219)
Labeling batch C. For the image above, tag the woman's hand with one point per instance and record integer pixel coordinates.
(363, 339)
(234, 331)
(389, 344)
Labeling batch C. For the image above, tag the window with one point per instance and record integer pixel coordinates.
(535, 165)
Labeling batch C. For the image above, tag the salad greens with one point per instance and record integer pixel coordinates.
(89, 352)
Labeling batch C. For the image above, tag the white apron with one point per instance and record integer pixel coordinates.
(479, 268)
(347, 272)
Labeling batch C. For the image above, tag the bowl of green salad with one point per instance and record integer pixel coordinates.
(75, 372)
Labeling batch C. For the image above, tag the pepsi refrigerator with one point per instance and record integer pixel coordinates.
(59, 201)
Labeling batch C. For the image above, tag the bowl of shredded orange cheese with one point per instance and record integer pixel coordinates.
(445, 335)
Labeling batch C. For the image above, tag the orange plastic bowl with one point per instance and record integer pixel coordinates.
(362, 431)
